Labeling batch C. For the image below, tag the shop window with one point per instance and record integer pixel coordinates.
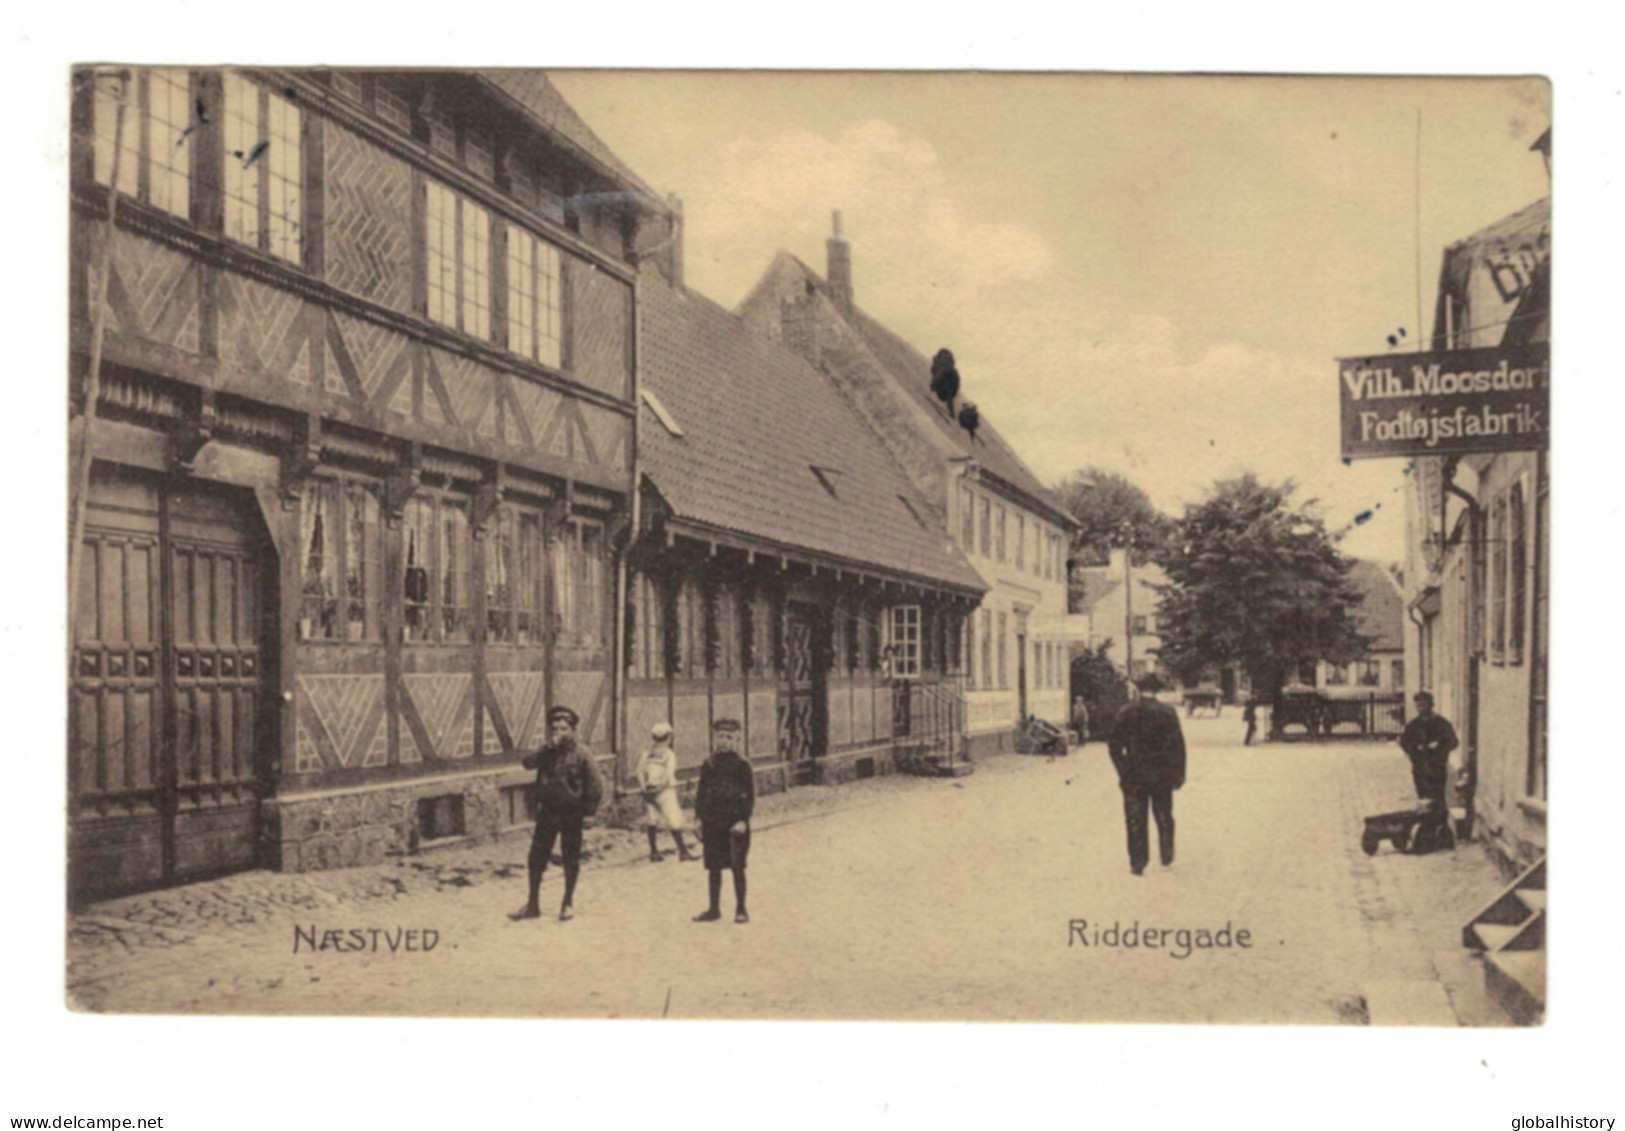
(361, 563)
(156, 164)
(534, 312)
(904, 639)
(457, 260)
(501, 576)
(530, 551)
(262, 173)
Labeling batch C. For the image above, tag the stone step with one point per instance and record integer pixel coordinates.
(1516, 979)
(1494, 936)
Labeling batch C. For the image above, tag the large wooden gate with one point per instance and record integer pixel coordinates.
(167, 731)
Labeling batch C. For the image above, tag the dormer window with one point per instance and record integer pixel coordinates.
(828, 478)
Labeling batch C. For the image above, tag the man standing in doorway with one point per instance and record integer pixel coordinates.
(1428, 740)
(1148, 748)
(568, 790)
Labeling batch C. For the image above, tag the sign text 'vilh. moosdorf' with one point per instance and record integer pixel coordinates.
(1446, 403)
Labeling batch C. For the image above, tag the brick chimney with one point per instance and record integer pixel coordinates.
(840, 268)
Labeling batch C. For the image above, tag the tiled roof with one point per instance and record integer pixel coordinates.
(912, 370)
(1382, 614)
(542, 100)
(757, 421)
(1091, 585)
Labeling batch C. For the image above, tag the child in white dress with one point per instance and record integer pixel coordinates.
(657, 781)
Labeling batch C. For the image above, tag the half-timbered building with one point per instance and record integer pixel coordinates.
(787, 574)
(353, 391)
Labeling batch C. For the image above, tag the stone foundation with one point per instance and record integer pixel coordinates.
(345, 828)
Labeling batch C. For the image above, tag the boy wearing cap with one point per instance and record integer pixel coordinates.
(723, 805)
(568, 790)
(657, 781)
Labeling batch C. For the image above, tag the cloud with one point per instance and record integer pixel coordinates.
(914, 238)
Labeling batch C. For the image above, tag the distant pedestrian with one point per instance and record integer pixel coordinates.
(657, 782)
(1080, 719)
(1249, 715)
(1428, 740)
(568, 791)
(1148, 749)
(723, 804)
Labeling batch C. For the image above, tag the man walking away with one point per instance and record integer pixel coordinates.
(722, 804)
(1148, 749)
(568, 790)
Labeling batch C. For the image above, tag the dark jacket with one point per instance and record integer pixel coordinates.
(1147, 746)
(1429, 739)
(727, 790)
(567, 779)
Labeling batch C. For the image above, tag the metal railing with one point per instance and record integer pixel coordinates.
(1317, 717)
(928, 723)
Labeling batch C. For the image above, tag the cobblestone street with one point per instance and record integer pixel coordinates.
(894, 898)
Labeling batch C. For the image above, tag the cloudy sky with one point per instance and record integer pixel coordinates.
(1147, 274)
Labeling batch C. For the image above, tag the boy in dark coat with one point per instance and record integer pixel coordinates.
(1148, 749)
(568, 791)
(722, 805)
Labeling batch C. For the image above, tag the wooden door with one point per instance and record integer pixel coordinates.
(167, 733)
(803, 693)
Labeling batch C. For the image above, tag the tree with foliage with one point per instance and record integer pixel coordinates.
(1099, 682)
(1256, 580)
(1112, 513)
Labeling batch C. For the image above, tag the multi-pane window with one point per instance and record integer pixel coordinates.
(1498, 580)
(761, 634)
(1021, 541)
(1518, 597)
(361, 562)
(391, 107)
(1370, 673)
(442, 134)
(987, 649)
(418, 558)
(1337, 675)
(578, 565)
(967, 519)
(533, 298)
(1396, 674)
(455, 613)
(1002, 516)
(262, 174)
(341, 553)
(905, 641)
(347, 84)
(478, 154)
(156, 161)
(513, 573)
(457, 257)
(436, 586)
(987, 528)
(1004, 634)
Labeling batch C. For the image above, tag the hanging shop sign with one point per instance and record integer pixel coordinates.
(1452, 402)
